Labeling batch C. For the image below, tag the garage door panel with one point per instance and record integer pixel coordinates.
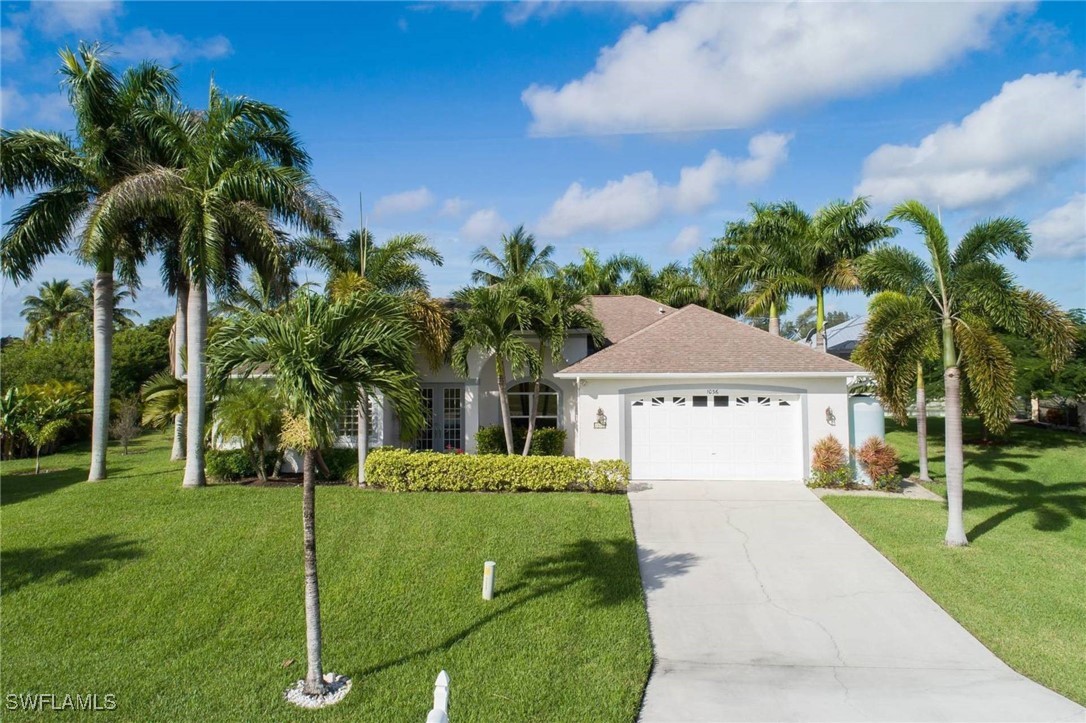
(726, 436)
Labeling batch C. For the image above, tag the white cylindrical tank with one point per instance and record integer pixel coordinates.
(866, 419)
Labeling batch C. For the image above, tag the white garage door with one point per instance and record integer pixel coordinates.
(727, 436)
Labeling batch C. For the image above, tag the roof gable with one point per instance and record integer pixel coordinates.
(695, 340)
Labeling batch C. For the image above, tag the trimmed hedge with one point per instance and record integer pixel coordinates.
(545, 442)
(404, 471)
(342, 463)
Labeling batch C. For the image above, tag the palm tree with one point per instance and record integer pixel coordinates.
(55, 310)
(960, 297)
(828, 244)
(163, 398)
(492, 320)
(48, 410)
(710, 281)
(766, 261)
(71, 182)
(596, 277)
(323, 354)
(233, 173)
(393, 268)
(122, 315)
(556, 308)
(519, 259)
(251, 412)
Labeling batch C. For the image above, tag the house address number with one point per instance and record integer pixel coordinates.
(711, 391)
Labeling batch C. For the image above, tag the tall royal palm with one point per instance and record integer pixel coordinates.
(829, 244)
(518, 259)
(71, 180)
(595, 276)
(56, 309)
(556, 308)
(959, 297)
(323, 355)
(766, 261)
(233, 173)
(492, 320)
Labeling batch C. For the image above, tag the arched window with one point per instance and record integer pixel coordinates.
(520, 405)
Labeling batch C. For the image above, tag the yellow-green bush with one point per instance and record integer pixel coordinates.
(404, 471)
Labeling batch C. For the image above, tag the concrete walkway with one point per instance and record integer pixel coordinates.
(766, 606)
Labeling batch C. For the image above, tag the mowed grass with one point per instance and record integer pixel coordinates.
(1020, 587)
(186, 604)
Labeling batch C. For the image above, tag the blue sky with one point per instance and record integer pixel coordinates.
(631, 127)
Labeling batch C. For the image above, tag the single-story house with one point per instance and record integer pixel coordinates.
(678, 393)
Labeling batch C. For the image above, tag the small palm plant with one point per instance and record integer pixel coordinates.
(48, 410)
(492, 319)
(959, 298)
(322, 355)
(250, 411)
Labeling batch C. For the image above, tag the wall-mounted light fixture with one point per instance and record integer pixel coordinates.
(601, 419)
(831, 418)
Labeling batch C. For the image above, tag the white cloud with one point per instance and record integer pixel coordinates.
(453, 207)
(687, 240)
(484, 225)
(1034, 124)
(144, 43)
(47, 109)
(639, 199)
(12, 44)
(411, 201)
(1061, 233)
(730, 65)
(85, 16)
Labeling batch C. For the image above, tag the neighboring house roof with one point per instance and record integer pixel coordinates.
(694, 340)
(841, 339)
(622, 316)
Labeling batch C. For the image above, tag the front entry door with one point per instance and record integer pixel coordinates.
(443, 405)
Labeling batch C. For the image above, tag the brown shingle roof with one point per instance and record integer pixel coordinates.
(625, 315)
(694, 340)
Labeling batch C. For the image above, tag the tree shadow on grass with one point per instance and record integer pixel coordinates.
(1053, 506)
(20, 487)
(608, 567)
(63, 564)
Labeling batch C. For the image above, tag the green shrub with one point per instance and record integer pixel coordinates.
(228, 464)
(342, 463)
(880, 462)
(545, 442)
(829, 465)
(403, 471)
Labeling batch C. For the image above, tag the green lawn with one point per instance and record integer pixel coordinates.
(1020, 586)
(186, 603)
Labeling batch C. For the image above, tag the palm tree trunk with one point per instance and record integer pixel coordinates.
(37, 460)
(314, 677)
(363, 438)
(503, 398)
(103, 361)
(196, 387)
(180, 335)
(955, 460)
(533, 411)
(922, 422)
(774, 319)
(820, 320)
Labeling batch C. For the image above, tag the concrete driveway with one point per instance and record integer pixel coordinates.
(766, 606)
